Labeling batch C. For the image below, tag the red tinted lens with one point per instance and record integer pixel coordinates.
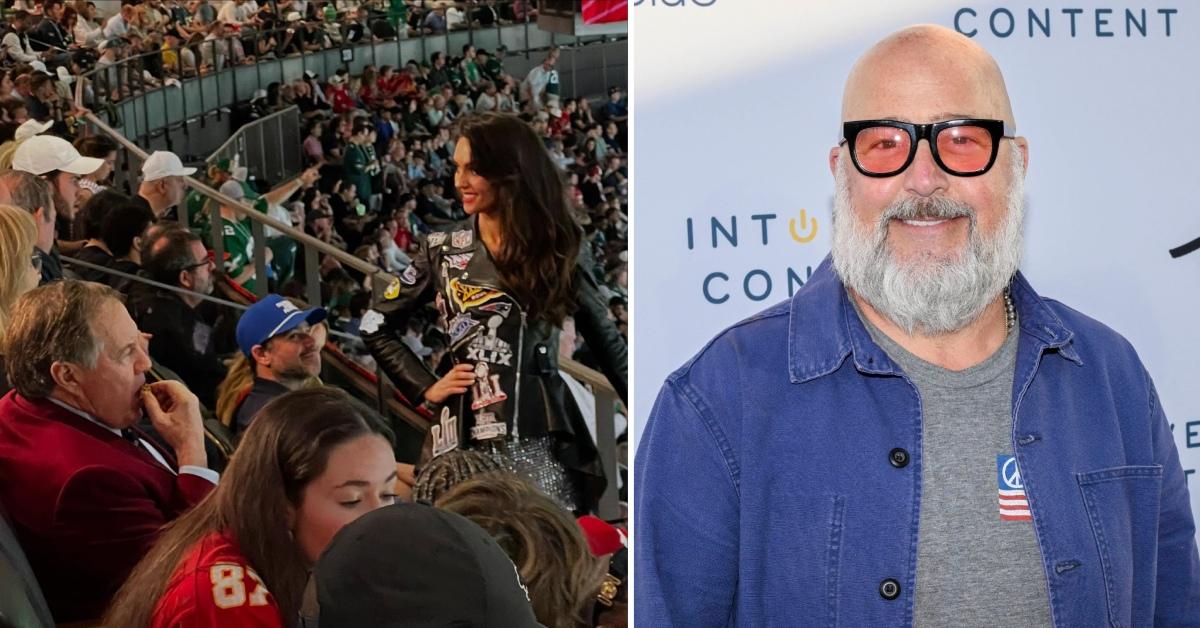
(965, 148)
(882, 149)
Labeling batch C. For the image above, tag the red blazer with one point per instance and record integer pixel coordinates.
(85, 504)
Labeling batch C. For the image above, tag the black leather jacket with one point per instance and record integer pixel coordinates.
(518, 391)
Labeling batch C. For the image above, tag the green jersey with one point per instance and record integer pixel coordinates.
(198, 220)
(239, 249)
(397, 13)
(471, 69)
(493, 69)
(354, 170)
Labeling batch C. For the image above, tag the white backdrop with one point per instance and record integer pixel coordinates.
(738, 104)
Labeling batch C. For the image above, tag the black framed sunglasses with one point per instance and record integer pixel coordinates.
(963, 148)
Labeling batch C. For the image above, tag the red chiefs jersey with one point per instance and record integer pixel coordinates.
(215, 585)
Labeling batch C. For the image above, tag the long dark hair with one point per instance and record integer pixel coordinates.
(286, 447)
(539, 237)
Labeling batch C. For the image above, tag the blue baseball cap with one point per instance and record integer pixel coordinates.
(271, 316)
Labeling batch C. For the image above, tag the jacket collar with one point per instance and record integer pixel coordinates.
(58, 412)
(824, 328)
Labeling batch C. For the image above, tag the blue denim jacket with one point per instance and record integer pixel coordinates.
(765, 496)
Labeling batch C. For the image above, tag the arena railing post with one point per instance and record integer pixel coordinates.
(606, 445)
(258, 234)
(312, 276)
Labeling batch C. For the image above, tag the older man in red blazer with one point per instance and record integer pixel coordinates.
(85, 491)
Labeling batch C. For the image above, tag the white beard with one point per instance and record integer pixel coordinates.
(927, 295)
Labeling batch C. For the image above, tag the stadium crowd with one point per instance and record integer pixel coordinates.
(112, 355)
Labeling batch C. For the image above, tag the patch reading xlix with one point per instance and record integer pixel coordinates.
(489, 347)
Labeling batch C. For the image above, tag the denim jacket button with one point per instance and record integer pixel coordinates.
(898, 457)
(889, 589)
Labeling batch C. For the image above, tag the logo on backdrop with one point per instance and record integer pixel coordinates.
(720, 233)
(1046, 23)
(1184, 249)
(674, 3)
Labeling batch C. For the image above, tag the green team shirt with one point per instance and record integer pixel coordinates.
(354, 170)
(456, 76)
(194, 203)
(239, 249)
(472, 71)
(197, 220)
(493, 68)
(397, 13)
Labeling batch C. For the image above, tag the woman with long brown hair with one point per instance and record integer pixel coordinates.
(20, 266)
(503, 282)
(312, 461)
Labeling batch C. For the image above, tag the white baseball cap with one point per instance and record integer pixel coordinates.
(46, 153)
(30, 128)
(163, 163)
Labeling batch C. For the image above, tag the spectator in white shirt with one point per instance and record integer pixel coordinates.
(533, 88)
(16, 42)
(238, 12)
(118, 25)
(455, 18)
(88, 32)
(487, 100)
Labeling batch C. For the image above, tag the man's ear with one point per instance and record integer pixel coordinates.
(835, 153)
(1023, 145)
(260, 355)
(66, 377)
(185, 280)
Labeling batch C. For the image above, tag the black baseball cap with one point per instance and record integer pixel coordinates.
(413, 566)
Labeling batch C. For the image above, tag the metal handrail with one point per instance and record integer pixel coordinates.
(606, 437)
(345, 366)
(240, 131)
(71, 261)
(244, 210)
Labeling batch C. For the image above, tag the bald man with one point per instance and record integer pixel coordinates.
(916, 437)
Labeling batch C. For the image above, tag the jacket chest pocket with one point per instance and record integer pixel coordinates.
(1122, 506)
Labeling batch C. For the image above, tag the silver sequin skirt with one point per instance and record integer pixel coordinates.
(534, 459)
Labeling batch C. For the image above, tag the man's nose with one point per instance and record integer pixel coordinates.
(924, 177)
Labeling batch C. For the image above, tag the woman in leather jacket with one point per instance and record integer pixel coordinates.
(503, 281)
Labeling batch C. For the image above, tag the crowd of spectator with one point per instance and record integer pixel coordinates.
(119, 354)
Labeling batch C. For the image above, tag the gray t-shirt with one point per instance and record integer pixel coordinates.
(978, 562)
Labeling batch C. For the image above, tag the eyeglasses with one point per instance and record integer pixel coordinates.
(36, 260)
(963, 148)
(207, 261)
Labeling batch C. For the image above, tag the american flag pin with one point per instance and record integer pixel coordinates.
(1013, 504)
